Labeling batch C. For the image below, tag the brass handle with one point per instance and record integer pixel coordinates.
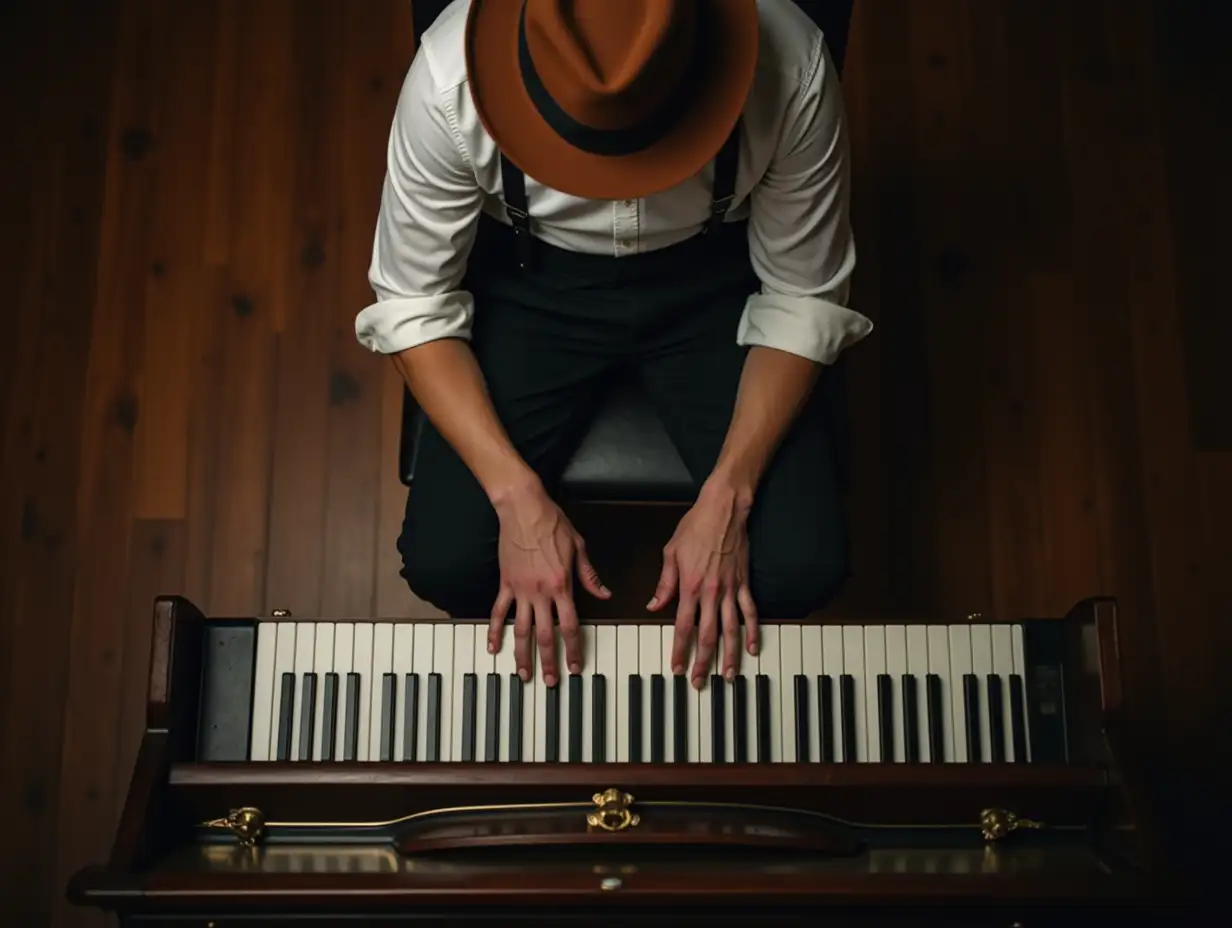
(612, 811)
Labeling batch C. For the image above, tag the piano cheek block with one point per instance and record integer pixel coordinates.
(613, 818)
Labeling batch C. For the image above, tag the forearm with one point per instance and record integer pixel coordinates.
(445, 380)
(774, 387)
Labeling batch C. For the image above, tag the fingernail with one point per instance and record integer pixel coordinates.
(653, 602)
(603, 589)
(491, 647)
(753, 648)
(731, 675)
(549, 680)
(524, 675)
(697, 683)
(574, 668)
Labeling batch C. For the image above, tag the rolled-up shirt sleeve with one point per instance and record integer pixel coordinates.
(800, 236)
(430, 203)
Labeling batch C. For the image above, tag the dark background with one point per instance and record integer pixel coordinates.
(188, 197)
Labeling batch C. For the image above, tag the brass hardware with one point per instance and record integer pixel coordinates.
(247, 824)
(610, 883)
(612, 811)
(975, 617)
(281, 613)
(997, 823)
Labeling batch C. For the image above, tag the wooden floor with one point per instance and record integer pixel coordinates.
(188, 200)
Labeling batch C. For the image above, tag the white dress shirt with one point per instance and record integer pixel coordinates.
(793, 186)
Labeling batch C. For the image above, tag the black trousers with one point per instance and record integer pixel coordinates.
(548, 337)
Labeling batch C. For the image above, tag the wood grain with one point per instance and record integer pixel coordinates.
(190, 190)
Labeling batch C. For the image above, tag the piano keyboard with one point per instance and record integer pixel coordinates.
(430, 692)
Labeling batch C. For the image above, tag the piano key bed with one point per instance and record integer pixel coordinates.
(301, 691)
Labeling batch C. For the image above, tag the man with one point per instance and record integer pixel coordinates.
(658, 183)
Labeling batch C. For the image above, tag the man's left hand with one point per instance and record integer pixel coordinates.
(707, 561)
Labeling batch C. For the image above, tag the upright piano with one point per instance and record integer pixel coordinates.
(392, 771)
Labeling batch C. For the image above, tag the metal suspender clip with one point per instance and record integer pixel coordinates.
(521, 234)
(718, 211)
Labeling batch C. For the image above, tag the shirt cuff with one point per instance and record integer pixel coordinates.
(807, 326)
(396, 324)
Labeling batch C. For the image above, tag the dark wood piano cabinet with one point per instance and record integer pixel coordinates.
(208, 841)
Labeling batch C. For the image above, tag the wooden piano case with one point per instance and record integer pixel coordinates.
(211, 843)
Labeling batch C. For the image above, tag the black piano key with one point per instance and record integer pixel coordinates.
(971, 704)
(825, 718)
(658, 718)
(911, 720)
(286, 716)
(432, 741)
(680, 718)
(470, 684)
(329, 717)
(491, 748)
(350, 731)
(996, 720)
(635, 719)
(598, 719)
(936, 728)
(575, 718)
(1018, 718)
(847, 714)
(1044, 646)
(718, 720)
(885, 716)
(516, 714)
(389, 692)
(740, 720)
(552, 724)
(763, 718)
(307, 716)
(410, 720)
(802, 718)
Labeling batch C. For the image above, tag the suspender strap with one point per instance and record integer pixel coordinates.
(724, 179)
(514, 182)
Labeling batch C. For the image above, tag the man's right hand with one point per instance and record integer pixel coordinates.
(537, 550)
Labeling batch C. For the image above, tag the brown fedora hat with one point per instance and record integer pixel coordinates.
(610, 99)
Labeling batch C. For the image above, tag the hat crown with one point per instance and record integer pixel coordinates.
(608, 63)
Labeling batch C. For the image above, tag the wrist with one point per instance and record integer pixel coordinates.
(729, 489)
(509, 489)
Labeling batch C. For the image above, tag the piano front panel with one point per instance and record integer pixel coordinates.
(421, 692)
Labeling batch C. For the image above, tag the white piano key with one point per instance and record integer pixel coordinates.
(649, 662)
(812, 667)
(1003, 666)
(365, 749)
(853, 664)
(917, 666)
(960, 664)
(322, 664)
(506, 667)
(402, 664)
(442, 663)
(263, 689)
(422, 664)
(463, 663)
(667, 635)
(791, 663)
(382, 663)
(832, 666)
(874, 665)
(344, 664)
(485, 664)
(606, 663)
(626, 666)
(695, 717)
(705, 719)
(589, 652)
(981, 666)
(284, 662)
(896, 667)
(537, 747)
(1020, 667)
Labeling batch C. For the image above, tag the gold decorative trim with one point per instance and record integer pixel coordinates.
(996, 824)
(612, 812)
(246, 823)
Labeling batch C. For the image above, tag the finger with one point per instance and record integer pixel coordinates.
(731, 639)
(545, 635)
(668, 578)
(522, 625)
(751, 626)
(496, 626)
(707, 636)
(588, 575)
(569, 632)
(683, 638)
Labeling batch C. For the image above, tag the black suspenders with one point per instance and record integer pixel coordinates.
(514, 181)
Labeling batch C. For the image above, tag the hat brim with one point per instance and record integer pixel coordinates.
(512, 120)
